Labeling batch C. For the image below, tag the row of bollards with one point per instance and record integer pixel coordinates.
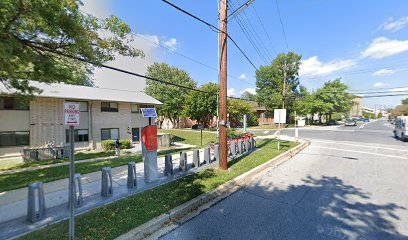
(36, 199)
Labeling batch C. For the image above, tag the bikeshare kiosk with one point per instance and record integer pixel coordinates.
(149, 146)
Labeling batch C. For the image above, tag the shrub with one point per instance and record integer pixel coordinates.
(110, 144)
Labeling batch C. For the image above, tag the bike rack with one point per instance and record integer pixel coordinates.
(207, 155)
(168, 165)
(240, 147)
(106, 186)
(183, 161)
(36, 206)
(132, 179)
(217, 152)
(196, 158)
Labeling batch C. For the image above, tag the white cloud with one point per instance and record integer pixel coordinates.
(378, 84)
(312, 67)
(231, 92)
(171, 44)
(394, 26)
(250, 90)
(383, 72)
(242, 77)
(399, 89)
(383, 47)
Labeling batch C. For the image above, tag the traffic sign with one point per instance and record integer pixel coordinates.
(279, 116)
(71, 113)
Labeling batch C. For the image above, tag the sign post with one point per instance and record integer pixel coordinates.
(71, 119)
(279, 116)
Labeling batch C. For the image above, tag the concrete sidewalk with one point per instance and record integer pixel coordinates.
(13, 204)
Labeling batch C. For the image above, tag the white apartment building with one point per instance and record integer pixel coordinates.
(105, 114)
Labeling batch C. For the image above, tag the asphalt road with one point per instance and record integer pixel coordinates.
(350, 183)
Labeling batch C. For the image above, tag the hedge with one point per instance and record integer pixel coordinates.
(110, 144)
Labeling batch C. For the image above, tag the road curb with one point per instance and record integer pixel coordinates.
(168, 221)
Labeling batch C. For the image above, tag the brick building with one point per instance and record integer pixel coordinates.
(105, 114)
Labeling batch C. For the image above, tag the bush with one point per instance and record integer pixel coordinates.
(231, 133)
(110, 144)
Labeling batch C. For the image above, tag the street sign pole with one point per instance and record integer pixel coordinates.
(71, 119)
(279, 130)
(71, 184)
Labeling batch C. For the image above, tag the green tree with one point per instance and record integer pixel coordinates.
(404, 101)
(333, 97)
(272, 90)
(172, 97)
(248, 96)
(303, 105)
(37, 35)
(236, 110)
(202, 107)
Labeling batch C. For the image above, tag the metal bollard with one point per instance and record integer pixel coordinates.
(247, 147)
(253, 142)
(240, 149)
(217, 152)
(132, 179)
(78, 201)
(36, 206)
(183, 162)
(168, 165)
(106, 187)
(207, 157)
(196, 158)
(233, 150)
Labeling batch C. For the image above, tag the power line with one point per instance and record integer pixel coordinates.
(250, 37)
(123, 71)
(249, 27)
(212, 27)
(283, 29)
(266, 32)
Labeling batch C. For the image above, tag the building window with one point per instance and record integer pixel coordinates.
(12, 103)
(11, 139)
(109, 107)
(135, 108)
(135, 134)
(80, 135)
(109, 133)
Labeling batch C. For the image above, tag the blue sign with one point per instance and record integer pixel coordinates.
(149, 112)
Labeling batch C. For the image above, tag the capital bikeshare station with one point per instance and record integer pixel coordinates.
(104, 114)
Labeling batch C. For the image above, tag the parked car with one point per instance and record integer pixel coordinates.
(366, 120)
(401, 128)
(197, 127)
(350, 123)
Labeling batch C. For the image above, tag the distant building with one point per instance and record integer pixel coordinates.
(357, 107)
(105, 114)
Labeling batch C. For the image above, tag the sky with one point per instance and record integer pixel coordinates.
(365, 43)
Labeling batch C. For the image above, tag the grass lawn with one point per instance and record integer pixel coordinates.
(19, 180)
(112, 220)
(192, 137)
(78, 157)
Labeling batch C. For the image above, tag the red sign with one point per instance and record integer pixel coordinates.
(149, 137)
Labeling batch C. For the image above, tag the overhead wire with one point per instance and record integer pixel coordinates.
(281, 23)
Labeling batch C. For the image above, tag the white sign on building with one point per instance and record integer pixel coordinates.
(71, 113)
(279, 115)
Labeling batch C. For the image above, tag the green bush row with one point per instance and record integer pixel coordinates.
(110, 144)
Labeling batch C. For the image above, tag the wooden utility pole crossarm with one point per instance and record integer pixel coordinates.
(223, 85)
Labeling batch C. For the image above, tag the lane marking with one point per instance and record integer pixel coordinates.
(359, 145)
(355, 151)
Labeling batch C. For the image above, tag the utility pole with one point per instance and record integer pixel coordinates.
(223, 84)
(284, 85)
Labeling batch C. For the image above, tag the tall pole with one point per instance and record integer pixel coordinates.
(71, 184)
(284, 86)
(223, 84)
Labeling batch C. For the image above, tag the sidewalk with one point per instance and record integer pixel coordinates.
(13, 204)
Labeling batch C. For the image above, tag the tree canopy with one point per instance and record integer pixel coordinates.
(404, 101)
(39, 38)
(173, 97)
(202, 107)
(270, 81)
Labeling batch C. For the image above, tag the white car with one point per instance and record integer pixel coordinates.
(401, 128)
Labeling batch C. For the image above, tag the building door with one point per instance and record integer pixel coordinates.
(135, 134)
